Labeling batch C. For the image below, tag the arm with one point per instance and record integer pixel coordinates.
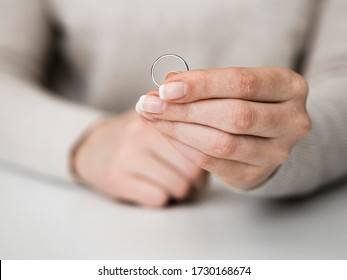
(37, 129)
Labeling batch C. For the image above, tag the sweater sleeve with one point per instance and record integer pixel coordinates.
(321, 157)
(37, 128)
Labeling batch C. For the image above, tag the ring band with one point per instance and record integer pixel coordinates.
(160, 58)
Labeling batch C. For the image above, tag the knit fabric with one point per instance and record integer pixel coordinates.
(103, 51)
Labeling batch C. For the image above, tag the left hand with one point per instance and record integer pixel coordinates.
(239, 123)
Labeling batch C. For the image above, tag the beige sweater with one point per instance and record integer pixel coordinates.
(103, 51)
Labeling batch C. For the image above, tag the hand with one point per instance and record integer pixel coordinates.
(239, 123)
(132, 162)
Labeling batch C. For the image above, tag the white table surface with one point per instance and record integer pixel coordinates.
(45, 219)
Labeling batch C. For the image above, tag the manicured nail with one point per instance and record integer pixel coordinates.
(150, 104)
(137, 107)
(173, 90)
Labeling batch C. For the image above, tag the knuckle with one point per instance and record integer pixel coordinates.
(306, 126)
(300, 85)
(303, 126)
(243, 117)
(247, 83)
(224, 146)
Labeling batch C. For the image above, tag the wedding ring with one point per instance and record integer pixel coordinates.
(162, 57)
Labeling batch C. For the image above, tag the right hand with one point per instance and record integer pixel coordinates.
(132, 162)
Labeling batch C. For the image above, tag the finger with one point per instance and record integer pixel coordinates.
(189, 172)
(192, 174)
(258, 84)
(247, 149)
(236, 174)
(157, 145)
(164, 150)
(171, 74)
(140, 191)
(156, 170)
(230, 115)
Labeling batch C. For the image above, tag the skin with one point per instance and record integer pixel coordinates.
(238, 123)
(129, 161)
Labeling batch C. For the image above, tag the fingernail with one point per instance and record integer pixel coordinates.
(150, 104)
(173, 90)
(140, 112)
(137, 108)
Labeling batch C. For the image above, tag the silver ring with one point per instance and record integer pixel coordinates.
(160, 58)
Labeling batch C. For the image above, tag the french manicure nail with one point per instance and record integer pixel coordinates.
(137, 108)
(172, 90)
(142, 113)
(150, 104)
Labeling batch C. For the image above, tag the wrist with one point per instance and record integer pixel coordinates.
(78, 146)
